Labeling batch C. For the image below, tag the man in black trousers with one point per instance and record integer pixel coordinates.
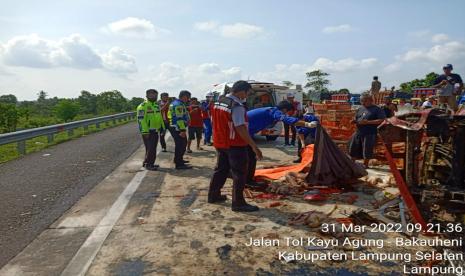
(231, 141)
(179, 120)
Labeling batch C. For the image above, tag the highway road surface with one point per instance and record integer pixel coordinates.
(37, 189)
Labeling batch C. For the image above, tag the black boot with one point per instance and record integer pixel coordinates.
(217, 199)
(245, 208)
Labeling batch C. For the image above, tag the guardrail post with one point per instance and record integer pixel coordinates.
(114, 121)
(86, 128)
(70, 132)
(50, 138)
(22, 147)
(97, 125)
(107, 123)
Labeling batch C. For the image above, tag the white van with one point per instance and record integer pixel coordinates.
(264, 94)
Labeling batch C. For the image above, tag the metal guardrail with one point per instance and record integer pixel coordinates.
(20, 137)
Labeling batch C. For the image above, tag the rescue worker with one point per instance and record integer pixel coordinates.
(231, 140)
(164, 104)
(150, 125)
(206, 107)
(306, 133)
(267, 117)
(179, 120)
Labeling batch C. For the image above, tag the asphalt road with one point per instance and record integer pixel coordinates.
(37, 189)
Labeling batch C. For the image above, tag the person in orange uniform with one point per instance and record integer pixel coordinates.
(195, 124)
(231, 141)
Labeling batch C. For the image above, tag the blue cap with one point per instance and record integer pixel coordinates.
(448, 66)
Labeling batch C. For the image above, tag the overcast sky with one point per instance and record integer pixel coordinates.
(64, 47)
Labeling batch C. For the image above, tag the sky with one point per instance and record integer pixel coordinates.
(64, 46)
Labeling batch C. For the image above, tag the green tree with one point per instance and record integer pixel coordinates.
(111, 101)
(344, 91)
(88, 102)
(42, 106)
(426, 82)
(429, 79)
(67, 110)
(9, 99)
(317, 83)
(8, 117)
(287, 83)
(135, 101)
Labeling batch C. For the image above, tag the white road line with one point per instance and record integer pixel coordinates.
(84, 257)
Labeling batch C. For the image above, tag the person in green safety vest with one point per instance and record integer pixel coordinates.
(179, 120)
(150, 125)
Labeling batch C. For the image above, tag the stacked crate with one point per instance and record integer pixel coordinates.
(336, 117)
(378, 98)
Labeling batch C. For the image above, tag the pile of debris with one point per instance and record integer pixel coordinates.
(433, 161)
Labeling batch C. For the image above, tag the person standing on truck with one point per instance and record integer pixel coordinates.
(195, 124)
(263, 118)
(375, 86)
(150, 124)
(447, 91)
(367, 119)
(206, 107)
(231, 140)
(179, 120)
(295, 112)
(164, 105)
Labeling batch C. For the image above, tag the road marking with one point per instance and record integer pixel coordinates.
(84, 257)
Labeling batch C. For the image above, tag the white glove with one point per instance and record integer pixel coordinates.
(311, 124)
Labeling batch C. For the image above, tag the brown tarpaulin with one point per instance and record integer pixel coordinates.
(330, 165)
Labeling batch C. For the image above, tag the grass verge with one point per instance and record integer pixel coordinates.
(9, 152)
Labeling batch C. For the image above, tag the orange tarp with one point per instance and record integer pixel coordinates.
(276, 173)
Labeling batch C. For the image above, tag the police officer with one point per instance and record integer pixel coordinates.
(150, 125)
(179, 119)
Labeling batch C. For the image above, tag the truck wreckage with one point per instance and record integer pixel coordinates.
(425, 152)
(431, 161)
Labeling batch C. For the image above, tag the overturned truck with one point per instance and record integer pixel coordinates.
(428, 149)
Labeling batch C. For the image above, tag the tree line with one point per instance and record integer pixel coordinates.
(317, 85)
(45, 111)
(15, 115)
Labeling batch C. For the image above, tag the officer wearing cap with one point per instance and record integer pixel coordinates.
(447, 90)
(150, 125)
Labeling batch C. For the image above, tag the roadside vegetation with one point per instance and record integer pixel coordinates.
(19, 115)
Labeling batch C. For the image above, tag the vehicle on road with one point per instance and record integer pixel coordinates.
(264, 94)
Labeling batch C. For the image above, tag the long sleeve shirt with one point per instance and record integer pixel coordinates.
(266, 117)
(149, 117)
(178, 115)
